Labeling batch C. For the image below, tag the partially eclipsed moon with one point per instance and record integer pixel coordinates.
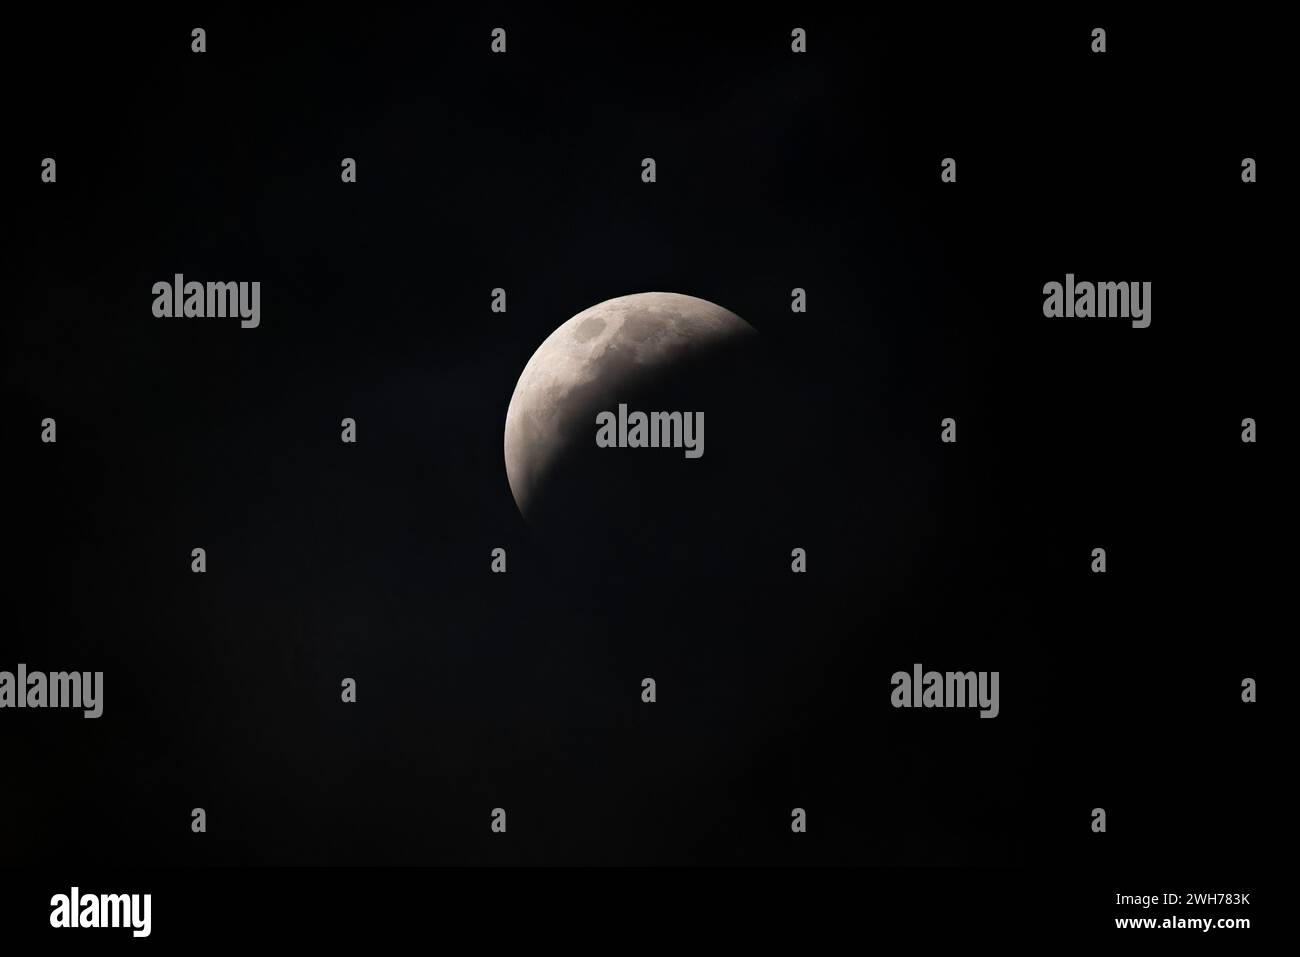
(602, 356)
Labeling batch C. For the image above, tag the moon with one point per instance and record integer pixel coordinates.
(660, 349)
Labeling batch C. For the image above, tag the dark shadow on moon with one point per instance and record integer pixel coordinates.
(783, 466)
(619, 508)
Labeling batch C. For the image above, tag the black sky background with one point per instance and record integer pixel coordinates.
(522, 691)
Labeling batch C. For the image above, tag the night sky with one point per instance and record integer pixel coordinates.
(522, 171)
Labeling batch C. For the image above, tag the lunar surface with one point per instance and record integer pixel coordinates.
(655, 351)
